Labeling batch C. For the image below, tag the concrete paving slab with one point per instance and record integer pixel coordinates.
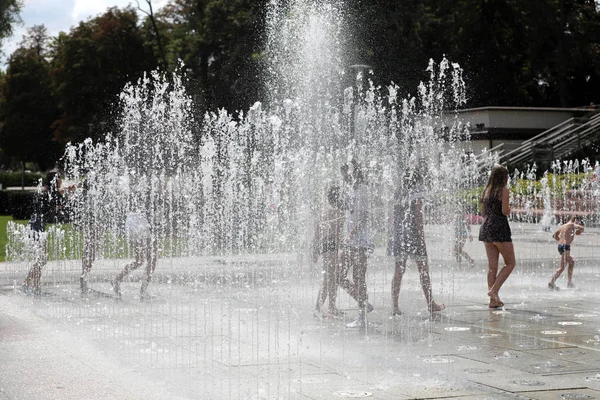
(492, 396)
(525, 381)
(243, 329)
(576, 354)
(563, 394)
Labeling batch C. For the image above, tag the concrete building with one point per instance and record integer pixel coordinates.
(492, 126)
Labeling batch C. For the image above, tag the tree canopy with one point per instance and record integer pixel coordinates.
(525, 53)
(9, 16)
(27, 106)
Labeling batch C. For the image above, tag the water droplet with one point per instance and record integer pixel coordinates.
(457, 328)
(466, 348)
(352, 394)
(438, 360)
(526, 382)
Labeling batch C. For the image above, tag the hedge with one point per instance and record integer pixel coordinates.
(13, 178)
(17, 203)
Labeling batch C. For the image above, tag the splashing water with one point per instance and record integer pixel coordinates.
(251, 182)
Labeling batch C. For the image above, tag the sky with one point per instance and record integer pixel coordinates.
(62, 15)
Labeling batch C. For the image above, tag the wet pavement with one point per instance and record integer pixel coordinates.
(243, 328)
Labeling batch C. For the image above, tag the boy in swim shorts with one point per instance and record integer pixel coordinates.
(565, 236)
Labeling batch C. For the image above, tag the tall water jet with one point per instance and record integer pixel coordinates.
(252, 181)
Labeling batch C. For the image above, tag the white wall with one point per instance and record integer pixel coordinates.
(527, 119)
(478, 146)
(511, 117)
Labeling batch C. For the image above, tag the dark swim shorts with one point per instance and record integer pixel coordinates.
(563, 247)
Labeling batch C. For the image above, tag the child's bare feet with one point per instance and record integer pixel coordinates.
(433, 307)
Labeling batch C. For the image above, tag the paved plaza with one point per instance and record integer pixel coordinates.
(243, 328)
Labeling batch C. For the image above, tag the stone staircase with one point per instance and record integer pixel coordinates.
(558, 142)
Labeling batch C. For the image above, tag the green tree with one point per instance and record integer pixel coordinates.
(565, 51)
(389, 36)
(527, 53)
(90, 67)
(218, 42)
(27, 107)
(9, 16)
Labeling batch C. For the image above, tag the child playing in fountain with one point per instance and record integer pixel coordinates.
(408, 239)
(326, 243)
(47, 207)
(565, 235)
(144, 247)
(358, 242)
(462, 232)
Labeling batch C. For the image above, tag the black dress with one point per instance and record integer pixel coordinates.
(495, 227)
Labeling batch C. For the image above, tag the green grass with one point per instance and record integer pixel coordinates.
(114, 246)
(3, 237)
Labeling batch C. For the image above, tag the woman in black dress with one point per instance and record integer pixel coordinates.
(495, 232)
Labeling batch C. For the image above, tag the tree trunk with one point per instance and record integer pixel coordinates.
(161, 50)
(22, 175)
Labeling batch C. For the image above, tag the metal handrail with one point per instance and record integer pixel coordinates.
(584, 135)
(561, 139)
(526, 145)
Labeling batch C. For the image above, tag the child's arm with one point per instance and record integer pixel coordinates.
(556, 235)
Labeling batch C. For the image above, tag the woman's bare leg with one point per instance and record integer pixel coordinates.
(492, 255)
(508, 255)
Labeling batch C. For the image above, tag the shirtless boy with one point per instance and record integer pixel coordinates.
(565, 236)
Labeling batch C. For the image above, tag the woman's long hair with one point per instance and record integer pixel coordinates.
(496, 183)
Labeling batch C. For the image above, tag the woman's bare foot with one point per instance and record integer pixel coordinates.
(433, 307)
(496, 304)
(495, 301)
